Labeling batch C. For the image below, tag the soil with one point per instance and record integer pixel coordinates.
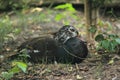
(94, 67)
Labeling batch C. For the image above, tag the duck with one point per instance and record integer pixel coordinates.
(64, 46)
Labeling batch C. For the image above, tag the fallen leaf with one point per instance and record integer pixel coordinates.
(36, 9)
(111, 61)
(79, 77)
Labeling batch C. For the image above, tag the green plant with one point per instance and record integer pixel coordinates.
(17, 67)
(108, 42)
(112, 12)
(5, 29)
(23, 55)
(100, 3)
(66, 6)
(14, 4)
(67, 10)
(92, 29)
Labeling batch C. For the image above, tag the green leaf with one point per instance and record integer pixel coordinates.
(112, 46)
(100, 23)
(105, 44)
(21, 65)
(7, 75)
(112, 36)
(15, 69)
(117, 40)
(63, 6)
(59, 17)
(66, 23)
(99, 37)
(66, 6)
(93, 29)
(17, 31)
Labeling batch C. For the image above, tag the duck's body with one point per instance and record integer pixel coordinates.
(40, 48)
(65, 46)
(73, 51)
(46, 49)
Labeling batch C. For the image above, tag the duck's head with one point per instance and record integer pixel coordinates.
(65, 33)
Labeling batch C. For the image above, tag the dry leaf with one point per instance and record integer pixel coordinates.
(36, 9)
(79, 77)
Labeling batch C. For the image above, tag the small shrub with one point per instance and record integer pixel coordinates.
(5, 29)
(108, 42)
(17, 67)
(66, 8)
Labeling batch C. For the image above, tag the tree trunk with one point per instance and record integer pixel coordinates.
(94, 21)
(91, 16)
(87, 8)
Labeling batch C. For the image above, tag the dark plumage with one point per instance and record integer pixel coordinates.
(40, 49)
(71, 48)
(65, 46)
(74, 51)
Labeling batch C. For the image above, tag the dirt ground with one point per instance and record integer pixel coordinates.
(94, 67)
(87, 70)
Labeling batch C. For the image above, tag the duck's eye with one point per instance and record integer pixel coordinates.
(72, 30)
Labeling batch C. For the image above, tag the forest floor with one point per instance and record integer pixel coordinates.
(39, 21)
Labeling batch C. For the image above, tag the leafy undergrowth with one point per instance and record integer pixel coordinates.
(90, 69)
(35, 22)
